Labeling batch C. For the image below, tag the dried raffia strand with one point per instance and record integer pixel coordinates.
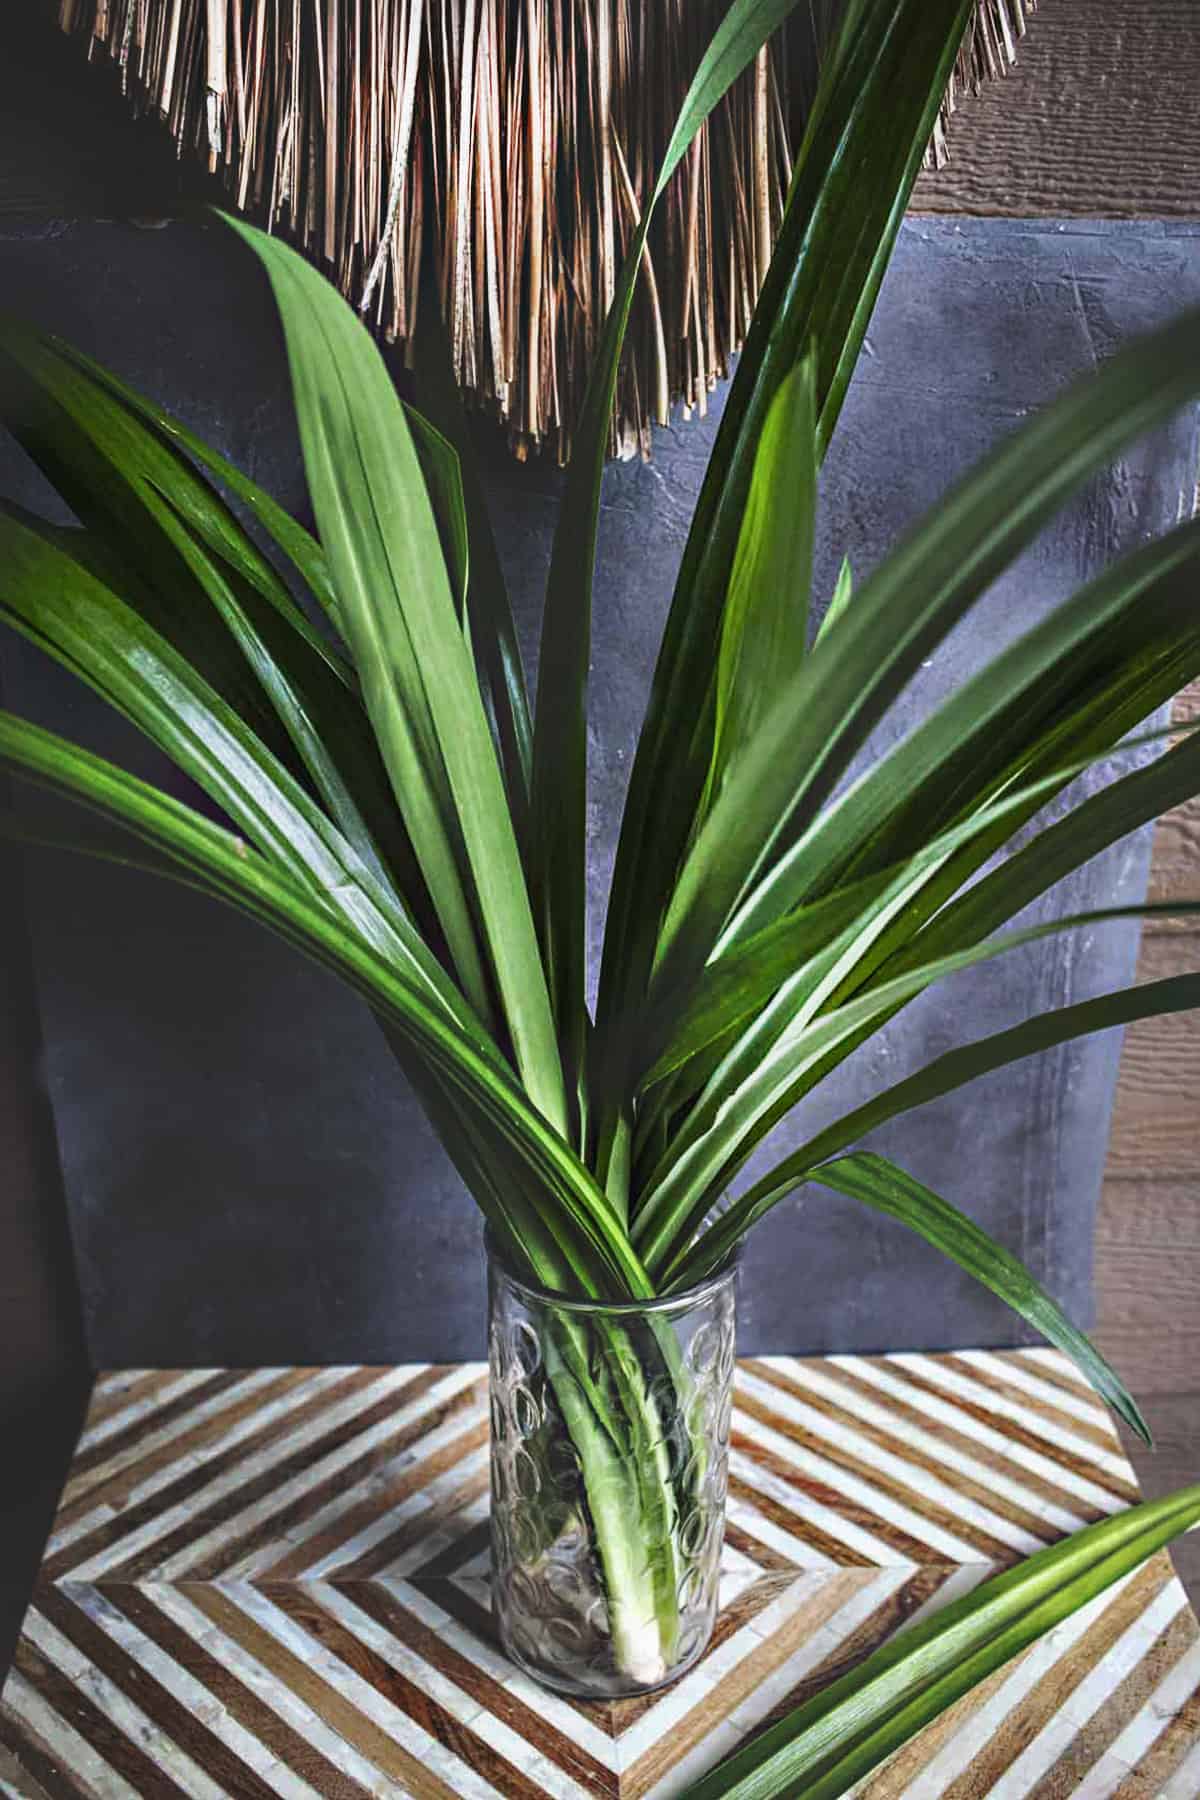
(512, 141)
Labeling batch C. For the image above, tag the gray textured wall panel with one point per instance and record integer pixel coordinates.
(248, 1180)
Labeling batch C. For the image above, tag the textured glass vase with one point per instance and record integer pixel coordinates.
(610, 1450)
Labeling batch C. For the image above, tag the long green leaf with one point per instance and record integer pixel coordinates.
(783, 977)
(821, 1749)
(879, 94)
(1104, 639)
(901, 613)
(107, 450)
(572, 1208)
(965, 1063)
(298, 545)
(493, 632)
(63, 608)
(397, 612)
(879, 1184)
(559, 788)
(764, 626)
(698, 1175)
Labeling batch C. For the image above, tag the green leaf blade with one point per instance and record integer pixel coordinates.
(396, 608)
(881, 1185)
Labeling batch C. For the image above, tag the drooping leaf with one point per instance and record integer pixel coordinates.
(878, 1183)
(106, 449)
(965, 1063)
(572, 1208)
(298, 545)
(67, 611)
(699, 1172)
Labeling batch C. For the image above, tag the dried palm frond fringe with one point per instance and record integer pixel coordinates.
(505, 145)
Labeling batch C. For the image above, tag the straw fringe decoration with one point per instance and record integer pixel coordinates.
(503, 146)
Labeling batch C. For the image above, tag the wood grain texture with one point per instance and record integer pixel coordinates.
(275, 1581)
(1148, 1232)
(1098, 120)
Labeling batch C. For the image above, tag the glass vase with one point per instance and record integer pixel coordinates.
(609, 1468)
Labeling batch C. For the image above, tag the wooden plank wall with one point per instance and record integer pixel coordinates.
(1148, 1238)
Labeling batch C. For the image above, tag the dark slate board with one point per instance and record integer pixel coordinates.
(248, 1180)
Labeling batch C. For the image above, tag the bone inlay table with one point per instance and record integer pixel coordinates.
(276, 1583)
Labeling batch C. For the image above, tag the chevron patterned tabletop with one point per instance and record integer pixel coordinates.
(276, 1583)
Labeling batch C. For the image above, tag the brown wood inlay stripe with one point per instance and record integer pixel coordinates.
(189, 1482)
(739, 1537)
(238, 1700)
(898, 1778)
(304, 1608)
(904, 1448)
(1060, 1374)
(114, 1489)
(1012, 1428)
(375, 1560)
(1110, 1720)
(36, 1760)
(839, 1553)
(174, 1719)
(473, 1542)
(544, 1738)
(305, 1455)
(131, 1434)
(276, 1526)
(108, 1398)
(991, 1548)
(70, 1702)
(741, 1681)
(743, 1611)
(285, 1612)
(1178, 1738)
(854, 1511)
(987, 1455)
(1056, 1686)
(1101, 1433)
(357, 1518)
(340, 1714)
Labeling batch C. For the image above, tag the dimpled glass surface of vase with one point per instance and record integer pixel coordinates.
(609, 1468)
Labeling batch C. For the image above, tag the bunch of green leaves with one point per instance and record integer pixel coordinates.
(354, 704)
(399, 810)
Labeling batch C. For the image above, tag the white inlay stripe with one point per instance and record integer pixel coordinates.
(116, 1706)
(811, 1463)
(941, 1493)
(946, 1413)
(955, 1459)
(244, 1472)
(146, 1407)
(219, 1446)
(1144, 1730)
(192, 1694)
(1004, 1406)
(23, 1701)
(1091, 1412)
